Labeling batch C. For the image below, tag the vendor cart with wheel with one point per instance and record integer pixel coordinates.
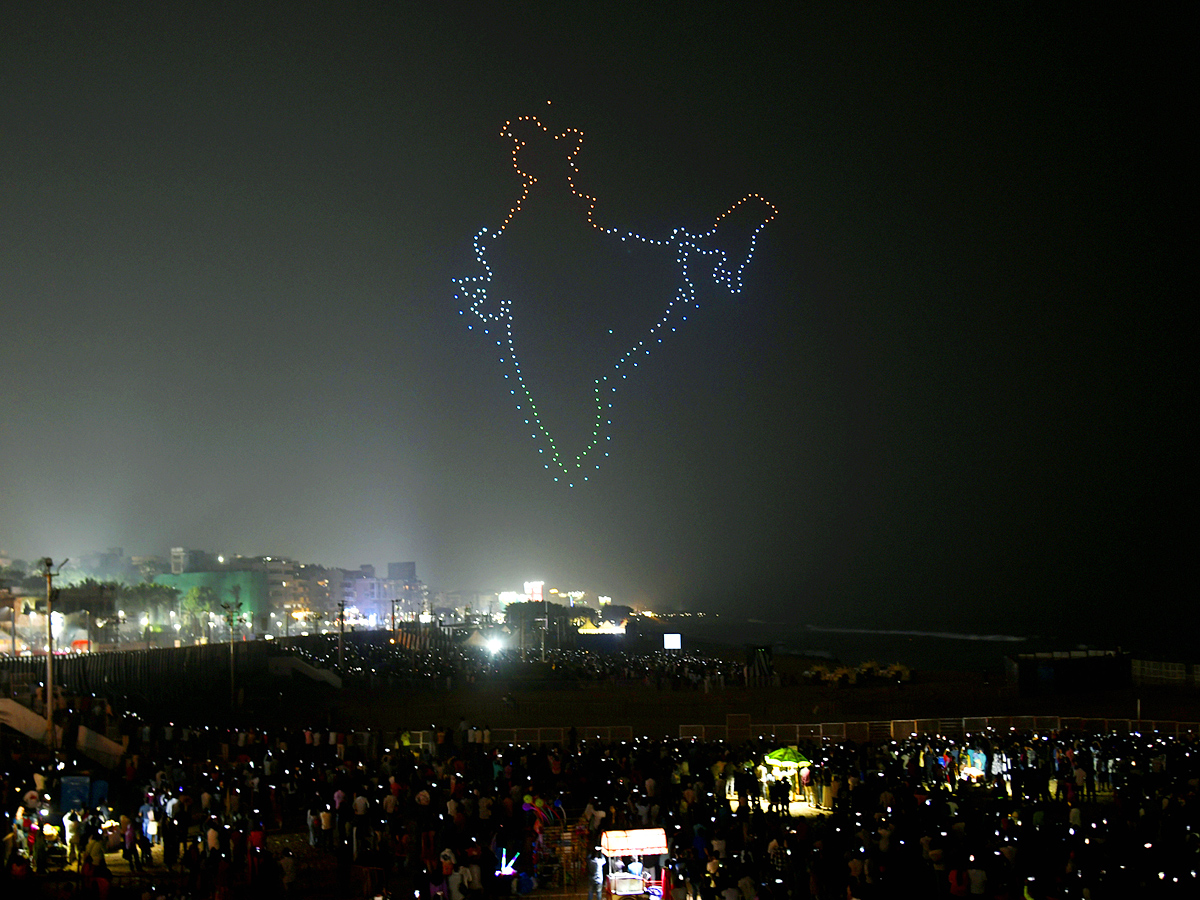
(626, 852)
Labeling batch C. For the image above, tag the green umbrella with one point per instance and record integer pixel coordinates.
(787, 756)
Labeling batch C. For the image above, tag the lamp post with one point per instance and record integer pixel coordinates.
(341, 634)
(13, 604)
(232, 614)
(47, 566)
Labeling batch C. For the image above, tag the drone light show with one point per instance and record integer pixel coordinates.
(599, 347)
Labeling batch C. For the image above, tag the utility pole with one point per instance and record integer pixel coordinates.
(13, 603)
(341, 635)
(232, 614)
(47, 565)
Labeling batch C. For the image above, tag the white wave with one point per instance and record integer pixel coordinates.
(948, 635)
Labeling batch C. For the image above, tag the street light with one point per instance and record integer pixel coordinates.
(341, 634)
(47, 565)
(232, 616)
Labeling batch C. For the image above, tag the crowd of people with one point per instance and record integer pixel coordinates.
(450, 665)
(999, 815)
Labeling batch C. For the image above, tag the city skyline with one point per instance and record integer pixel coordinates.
(84, 565)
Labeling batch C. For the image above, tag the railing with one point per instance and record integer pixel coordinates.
(835, 731)
(172, 673)
(896, 729)
(427, 739)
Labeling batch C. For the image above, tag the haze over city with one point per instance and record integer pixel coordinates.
(947, 396)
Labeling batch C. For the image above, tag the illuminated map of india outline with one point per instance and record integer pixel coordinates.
(692, 253)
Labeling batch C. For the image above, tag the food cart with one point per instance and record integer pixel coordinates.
(634, 880)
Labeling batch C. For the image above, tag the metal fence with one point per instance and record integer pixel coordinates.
(895, 729)
(858, 732)
(173, 674)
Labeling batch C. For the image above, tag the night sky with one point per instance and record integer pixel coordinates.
(950, 394)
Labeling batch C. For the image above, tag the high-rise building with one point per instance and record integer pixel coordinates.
(402, 571)
(410, 594)
(184, 560)
(285, 588)
(318, 592)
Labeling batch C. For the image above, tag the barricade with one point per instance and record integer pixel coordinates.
(895, 729)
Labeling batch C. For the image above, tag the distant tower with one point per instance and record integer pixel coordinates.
(402, 571)
(405, 589)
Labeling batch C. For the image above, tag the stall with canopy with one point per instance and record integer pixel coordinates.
(785, 764)
(633, 880)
